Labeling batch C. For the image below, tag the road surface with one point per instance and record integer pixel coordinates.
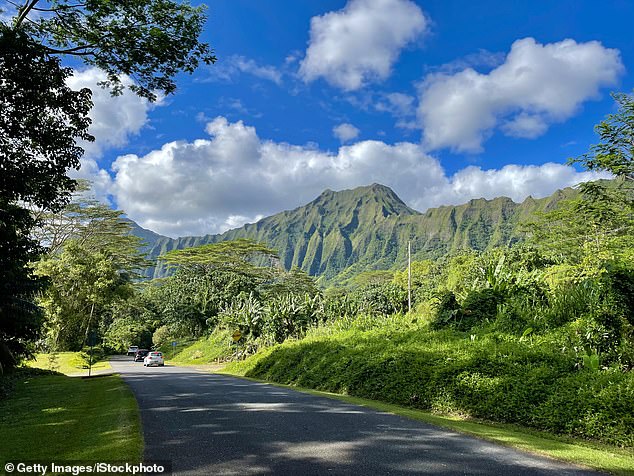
(208, 424)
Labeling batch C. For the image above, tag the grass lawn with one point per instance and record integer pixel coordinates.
(58, 418)
(592, 455)
(67, 363)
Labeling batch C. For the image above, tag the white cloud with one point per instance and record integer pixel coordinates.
(233, 177)
(345, 132)
(114, 118)
(514, 181)
(361, 42)
(228, 69)
(398, 104)
(537, 85)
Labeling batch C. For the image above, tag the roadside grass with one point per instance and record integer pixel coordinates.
(199, 352)
(69, 363)
(618, 461)
(56, 418)
(489, 377)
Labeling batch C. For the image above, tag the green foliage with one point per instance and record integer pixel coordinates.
(93, 225)
(371, 277)
(491, 377)
(161, 336)
(479, 306)
(621, 282)
(339, 305)
(190, 300)
(382, 299)
(290, 315)
(20, 319)
(124, 332)
(83, 286)
(237, 256)
(41, 120)
(294, 281)
(616, 132)
(424, 278)
(148, 40)
(446, 310)
(244, 313)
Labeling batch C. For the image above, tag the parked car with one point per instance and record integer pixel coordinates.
(132, 350)
(140, 355)
(154, 358)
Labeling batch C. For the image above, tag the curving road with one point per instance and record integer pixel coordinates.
(208, 424)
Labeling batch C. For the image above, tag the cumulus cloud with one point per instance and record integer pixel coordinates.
(514, 181)
(114, 118)
(234, 177)
(537, 85)
(361, 42)
(345, 132)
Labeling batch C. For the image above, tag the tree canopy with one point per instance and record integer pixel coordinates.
(615, 151)
(43, 120)
(148, 40)
(238, 256)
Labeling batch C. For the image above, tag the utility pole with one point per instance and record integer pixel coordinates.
(409, 276)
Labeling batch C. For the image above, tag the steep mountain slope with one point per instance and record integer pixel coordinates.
(368, 228)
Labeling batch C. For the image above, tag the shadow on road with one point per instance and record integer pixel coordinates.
(214, 424)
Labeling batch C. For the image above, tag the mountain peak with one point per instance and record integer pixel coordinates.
(364, 195)
(368, 228)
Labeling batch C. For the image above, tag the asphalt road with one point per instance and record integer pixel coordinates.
(208, 424)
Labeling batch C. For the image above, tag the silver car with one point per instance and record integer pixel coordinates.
(154, 358)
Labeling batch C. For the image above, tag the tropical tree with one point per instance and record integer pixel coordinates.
(92, 225)
(20, 318)
(189, 301)
(42, 119)
(147, 40)
(83, 286)
(240, 256)
(615, 152)
(295, 281)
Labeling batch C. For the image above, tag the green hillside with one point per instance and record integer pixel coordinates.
(368, 228)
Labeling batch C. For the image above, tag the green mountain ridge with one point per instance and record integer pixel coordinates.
(342, 233)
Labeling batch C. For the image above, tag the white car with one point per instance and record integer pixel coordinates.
(154, 358)
(132, 350)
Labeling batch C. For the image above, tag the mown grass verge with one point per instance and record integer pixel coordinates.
(68, 363)
(55, 418)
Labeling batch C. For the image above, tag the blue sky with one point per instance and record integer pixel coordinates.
(444, 101)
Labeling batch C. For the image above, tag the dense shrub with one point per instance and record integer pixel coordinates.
(494, 377)
(161, 336)
(446, 310)
(123, 333)
(382, 299)
(88, 355)
(478, 307)
(622, 286)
